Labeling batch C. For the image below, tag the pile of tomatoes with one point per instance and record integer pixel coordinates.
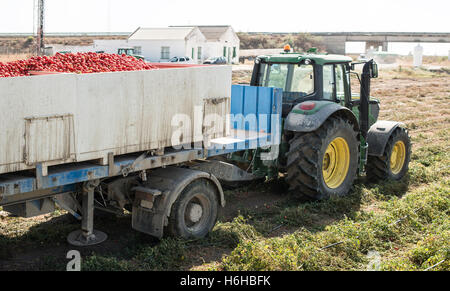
(80, 63)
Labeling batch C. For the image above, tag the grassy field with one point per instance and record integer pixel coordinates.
(404, 224)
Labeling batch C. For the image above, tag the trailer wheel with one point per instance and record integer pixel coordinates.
(194, 213)
(323, 163)
(394, 163)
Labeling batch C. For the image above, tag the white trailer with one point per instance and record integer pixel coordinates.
(66, 118)
(67, 138)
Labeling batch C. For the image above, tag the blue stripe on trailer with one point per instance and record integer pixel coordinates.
(10, 185)
(71, 175)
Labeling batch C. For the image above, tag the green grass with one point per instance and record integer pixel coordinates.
(418, 221)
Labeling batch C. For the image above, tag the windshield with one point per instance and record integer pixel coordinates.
(289, 77)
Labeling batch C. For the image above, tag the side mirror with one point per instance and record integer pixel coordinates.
(374, 70)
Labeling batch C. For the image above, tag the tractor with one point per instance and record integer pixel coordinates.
(330, 134)
(129, 51)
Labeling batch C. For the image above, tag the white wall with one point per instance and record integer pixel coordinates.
(56, 48)
(195, 40)
(110, 46)
(229, 40)
(151, 49)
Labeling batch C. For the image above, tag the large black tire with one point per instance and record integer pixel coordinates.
(379, 168)
(305, 160)
(201, 193)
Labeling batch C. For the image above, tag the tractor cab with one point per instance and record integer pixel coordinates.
(129, 52)
(309, 76)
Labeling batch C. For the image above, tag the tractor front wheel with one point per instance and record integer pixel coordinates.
(323, 163)
(394, 163)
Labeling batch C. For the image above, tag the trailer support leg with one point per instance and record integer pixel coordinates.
(87, 236)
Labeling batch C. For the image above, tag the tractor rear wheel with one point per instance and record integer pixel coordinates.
(323, 163)
(394, 163)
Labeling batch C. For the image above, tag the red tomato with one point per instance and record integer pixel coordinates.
(74, 63)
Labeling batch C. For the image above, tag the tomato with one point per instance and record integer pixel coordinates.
(80, 63)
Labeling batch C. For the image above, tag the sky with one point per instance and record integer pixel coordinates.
(243, 15)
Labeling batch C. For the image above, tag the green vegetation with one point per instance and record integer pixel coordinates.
(413, 231)
(298, 41)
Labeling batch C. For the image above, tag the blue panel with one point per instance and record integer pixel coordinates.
(251, 108)
(249, 103)
(237, 106)
(237, 99)
(277, 101)
(264, 109)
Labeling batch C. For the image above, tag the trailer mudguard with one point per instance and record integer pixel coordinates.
(300, 120)
(170, 182)
(379, 134)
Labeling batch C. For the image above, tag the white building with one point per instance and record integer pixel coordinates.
(221, 40)
(195, 42)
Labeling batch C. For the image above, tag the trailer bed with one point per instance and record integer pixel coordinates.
(263, 104)
(64, 118)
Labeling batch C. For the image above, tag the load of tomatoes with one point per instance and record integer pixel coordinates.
(80, 63)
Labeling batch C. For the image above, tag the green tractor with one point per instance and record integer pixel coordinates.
(129, 51)
(330, 134)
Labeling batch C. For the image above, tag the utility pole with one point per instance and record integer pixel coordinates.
(40, 29)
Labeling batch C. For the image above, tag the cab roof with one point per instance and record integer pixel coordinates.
(296, 58)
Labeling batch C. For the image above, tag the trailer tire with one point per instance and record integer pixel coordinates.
(323, 163)
(195, 212)
(387, 166)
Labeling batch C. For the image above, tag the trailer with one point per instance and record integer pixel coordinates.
(56, 119)
(169, 188)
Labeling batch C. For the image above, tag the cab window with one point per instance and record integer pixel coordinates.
(303, 79)
(340, 77)
(276, 76)
(328, 82)
(290, 77)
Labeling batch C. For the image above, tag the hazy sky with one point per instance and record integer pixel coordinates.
(243, 15)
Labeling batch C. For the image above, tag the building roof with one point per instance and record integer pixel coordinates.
(164, 33)
(211, 32)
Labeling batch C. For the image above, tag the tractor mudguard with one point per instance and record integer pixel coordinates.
(170, 182)
(379, 134)
(300, 120)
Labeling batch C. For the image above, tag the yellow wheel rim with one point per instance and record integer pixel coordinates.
(336, 162)
(398, 156)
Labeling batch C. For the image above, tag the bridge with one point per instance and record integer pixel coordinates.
(335, 41)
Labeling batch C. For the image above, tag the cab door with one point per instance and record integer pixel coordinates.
(334, 86)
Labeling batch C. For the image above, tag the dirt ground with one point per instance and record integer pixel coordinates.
(265, 214)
